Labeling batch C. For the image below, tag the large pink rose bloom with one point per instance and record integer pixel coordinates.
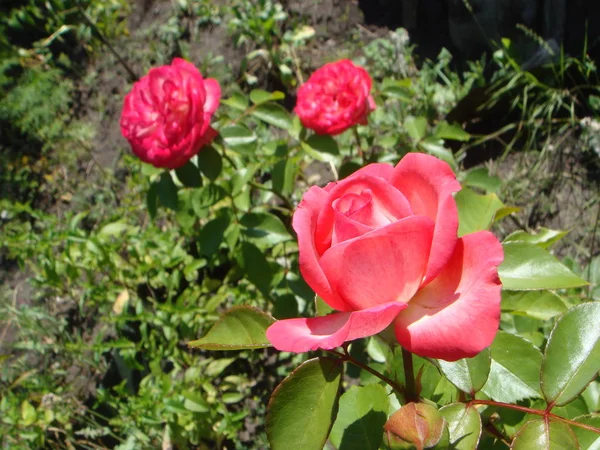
(166, 116)
(381, 247)
(335, 98)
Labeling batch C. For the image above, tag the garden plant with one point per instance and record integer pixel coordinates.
(309, 269)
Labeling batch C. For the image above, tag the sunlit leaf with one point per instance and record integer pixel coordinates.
(476, 212)
(464, 426)
(540, 434)
(469, 374)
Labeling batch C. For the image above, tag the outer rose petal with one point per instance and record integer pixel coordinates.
(304, 223)
(457, 315)
(428, 183)
(213, 95)
(327, 332)
(382, 170)
(381, 266)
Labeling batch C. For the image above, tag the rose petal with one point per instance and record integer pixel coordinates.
(457, 315)
(327, 332)
(304, 223)
(213, 95)
(381, 170)
(428, 183)
(382, 266)
(387, 200)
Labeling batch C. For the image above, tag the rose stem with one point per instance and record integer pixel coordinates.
(409, 376)
(538, 412)
(347, 357)
(357, 137)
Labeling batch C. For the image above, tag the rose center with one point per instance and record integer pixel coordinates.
(361, 207)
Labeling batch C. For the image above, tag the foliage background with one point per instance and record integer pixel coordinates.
(99, 299)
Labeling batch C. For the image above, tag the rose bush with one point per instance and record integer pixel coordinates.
(335, 98)
(166, 116)
(381, 247)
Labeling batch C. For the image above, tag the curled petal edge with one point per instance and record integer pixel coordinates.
(328, 332)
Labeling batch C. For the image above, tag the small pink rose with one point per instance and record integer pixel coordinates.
(166, 116)
(381, 247)
(335, 98)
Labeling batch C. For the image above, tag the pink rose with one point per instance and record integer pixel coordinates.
(166, 116)
(335, 98)
(381, 247)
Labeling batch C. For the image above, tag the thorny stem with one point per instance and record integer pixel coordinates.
(538, 412)
(410, 393)
(348, 357)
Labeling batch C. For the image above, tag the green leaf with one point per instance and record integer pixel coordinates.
(205, 197)
(303, 407)
(259, 96)
(453, 132)
(416, 127)
(210, 162)
(242, 178)
(540, 434)
(480, 178)
(236, 101)
(241, 327)
(542, 305)
(212, 235)
(273, 114)
(399, 89)
(256, 266)
(189, 175)
(264, 229)
(544, 238)
(464, 426)
(167, 191)
(283, 175)
(572, 355)
(469, 374)
(28, 413)
(588, 440)
(515, 369)
(475, 211)
(362, 413)
(529, 267)
(152, 200)
(239, 138)
(322, 148)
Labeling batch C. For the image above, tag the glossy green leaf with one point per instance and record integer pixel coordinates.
(362, 413)
(540, 434)
(464, 426)
(189, 175)
(212, 235)
(416, 127)
(210, 163)
(542, 305)
(205, 197)
(239, 138)
(283, 175)
(322, 148)
(468, 374)
(529, 267)
(258, 96)
(303, 407)
(237, 101)
(543, 238)
(273, 114)
(572, 355)
(241, 179)
(453, 132)
(167, 191)
(588, 440)
(480, 178)
(241, 327)
(515, 369)
(256, 267)
(476, 212)
(264, 229)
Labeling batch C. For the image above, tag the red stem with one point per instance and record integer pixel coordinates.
(538, 412)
